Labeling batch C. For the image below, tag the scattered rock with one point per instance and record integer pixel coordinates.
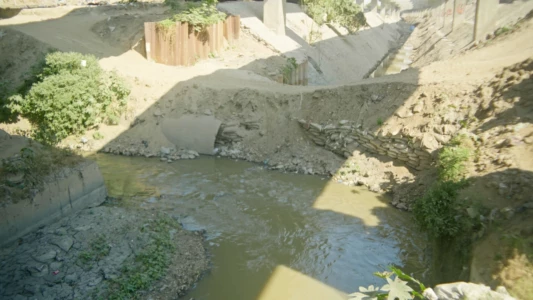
(37, 269)
(45, 255)
(465, 290)
(418, 107)
(158, 113)
(64, 242)
(165, 151)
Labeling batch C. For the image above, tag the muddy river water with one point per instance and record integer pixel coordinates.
(272, 235)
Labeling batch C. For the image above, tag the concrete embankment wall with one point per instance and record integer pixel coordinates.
(345, 137)
(327, 55)
(69, 191)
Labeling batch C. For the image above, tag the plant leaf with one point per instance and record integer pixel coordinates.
(406, 277)
(399, 289)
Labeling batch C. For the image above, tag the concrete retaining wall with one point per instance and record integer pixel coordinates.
(485, 12)
(345, 137)
(68, 192)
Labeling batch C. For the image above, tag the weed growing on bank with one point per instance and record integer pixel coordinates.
(98, 249)
(453, 158)
(439, 211)
(148, 266)
(22, 175)
(68, 94)
(290, 66)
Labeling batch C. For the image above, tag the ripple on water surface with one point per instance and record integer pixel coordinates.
(272, 235)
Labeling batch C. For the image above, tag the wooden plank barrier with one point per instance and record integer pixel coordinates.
(180, 45)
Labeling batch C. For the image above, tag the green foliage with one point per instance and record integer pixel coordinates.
(6, 115)
(502, 30)
(7, 92)
(380, 121)
(344, 12)
(453, 158)
(390, 4)
(98, 136)
(196, 15)
(289, 67)
(314, 36)
(68, 98)
(439, 210)
(150, 265)
(98, 249)
(396, 288)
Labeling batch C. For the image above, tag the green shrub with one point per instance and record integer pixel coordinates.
(438, 211)
(68, 98)
(290, 66)
(453, 158)
(6, 115)
(344, 12)
(196, 15)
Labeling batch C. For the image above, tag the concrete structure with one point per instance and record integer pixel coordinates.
(70, 191)
(448, 16)
(192, 133)
(274, 15)
(459, 15)
(485, 11)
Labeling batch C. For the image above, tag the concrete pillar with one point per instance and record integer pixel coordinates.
(485, 11)
(274, 15)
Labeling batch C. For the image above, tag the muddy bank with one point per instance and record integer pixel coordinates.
(89, 254)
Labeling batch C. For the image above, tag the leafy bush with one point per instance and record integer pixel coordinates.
(197, 15)
(453, 158)
(6, 115)
(68, 98)
(438, 211)
(344, 12)
(394, 289)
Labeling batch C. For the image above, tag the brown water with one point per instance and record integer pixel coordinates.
(273, 235)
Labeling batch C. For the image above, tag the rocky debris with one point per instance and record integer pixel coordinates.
(77, 257)
(513, 184)
(465, 290)
(509, 88)
(230, 133)
(345, 137)
(171, 154)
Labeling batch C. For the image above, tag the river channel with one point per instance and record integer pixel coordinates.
(272, 235)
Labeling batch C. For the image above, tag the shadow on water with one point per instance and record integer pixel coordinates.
(265, 226)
